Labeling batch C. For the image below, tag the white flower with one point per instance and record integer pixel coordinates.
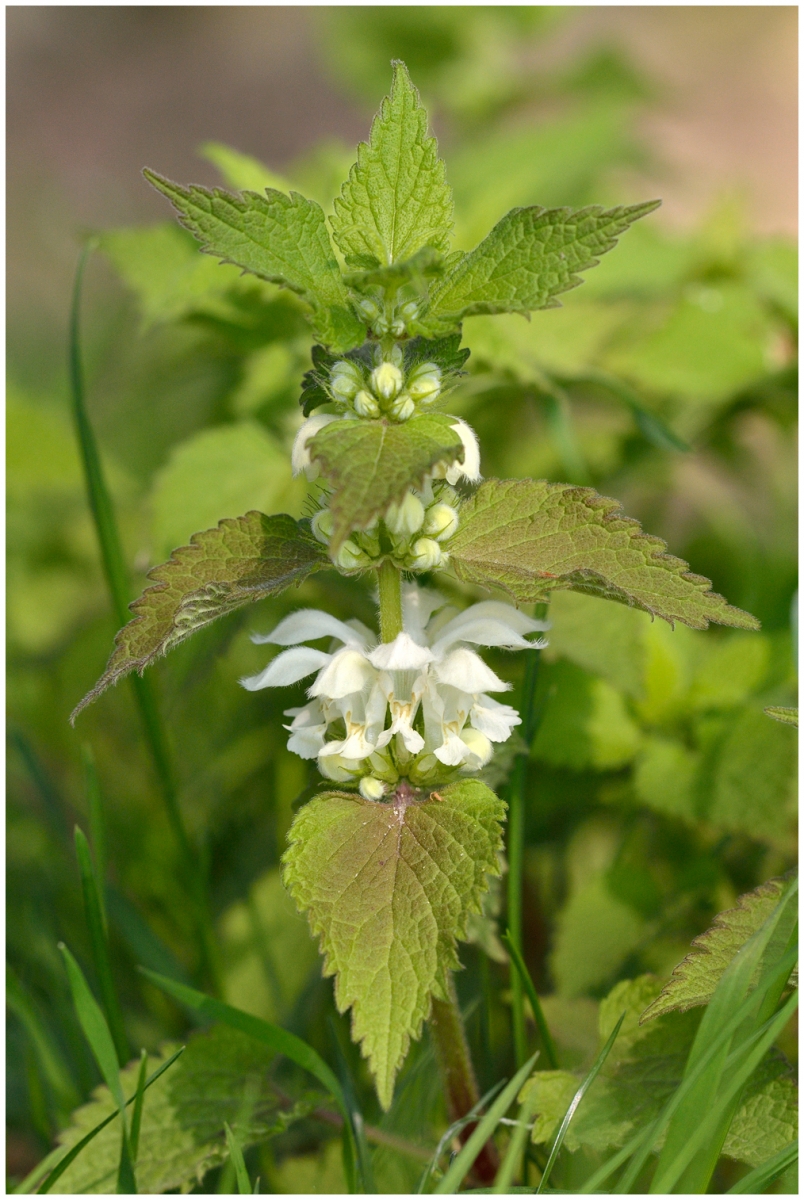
(407, 517)
(440, 522)
(386, 381)
(412, 706)
(470, 467)
(300, 454)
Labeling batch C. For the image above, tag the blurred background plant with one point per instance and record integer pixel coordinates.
(658, 790)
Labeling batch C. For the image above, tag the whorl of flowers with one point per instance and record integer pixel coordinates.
(416, 707)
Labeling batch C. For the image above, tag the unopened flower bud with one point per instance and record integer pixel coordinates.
(365, 405)
(346, 379)
(397, 328)
(424, 382)
(408, 311)
(386, 381)
(350, 557)
(406, 518)
(478, 744)
(402, 408)
(426, 555)
(380, 327)
(396, 356)
(440, 522)
(371, 788)
(321, 525)
(368, 309)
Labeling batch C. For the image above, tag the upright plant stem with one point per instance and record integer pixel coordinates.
(446, 1023)
(390, 585)
(119, 589)
(460, 1085)
(516, 848)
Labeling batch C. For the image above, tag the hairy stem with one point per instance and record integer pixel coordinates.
(390, 583)
(458, 1075)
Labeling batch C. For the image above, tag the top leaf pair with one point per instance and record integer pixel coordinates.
(392, 225)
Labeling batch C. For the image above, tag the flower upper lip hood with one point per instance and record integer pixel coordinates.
(429, 665)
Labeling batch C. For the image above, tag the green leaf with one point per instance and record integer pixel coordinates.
(372, 463)
(530, 537)
(277, 237)
(425, 264)
(694, 980)
(222, 569)
(585, 722)
(181, 1134)
(595, 933)
(272, 1036)
(665, 777)
(531, 256)
(396, 199)
(787, 716)
(767, 1119)
(388, 888)
(57, 1161)
(226, 469)
(760, 1179)
(605, 640)
(242, 171)
(755, 779)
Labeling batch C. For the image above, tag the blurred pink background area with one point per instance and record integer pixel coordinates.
(95, 93)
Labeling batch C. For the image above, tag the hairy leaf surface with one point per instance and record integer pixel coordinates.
(182, 1136)
(279, 237)
(529, 258)
(241, 560)
(694, 980)
(645, 1066)
(388, 888)
(372, 463)
(530, 537)
(396, 199)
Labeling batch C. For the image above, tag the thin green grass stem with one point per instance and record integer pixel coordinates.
(516, 848)
(548, 1045)
(117, 578)
(761, 1177)
(576, 1100)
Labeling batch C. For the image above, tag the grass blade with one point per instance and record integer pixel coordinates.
(665, 1180)
(548, 1045)
(576, 1100)
(47, 1052)
(463, 1161)
(262, 1031)
(652, 427)
(136, 1116)
(649, 1135)
(236, 1155)
(612, 1164)
(762, 1176)
(97, 826)
(70, 1156)
(732, 988)
(453, 1131)
(100, 948)
(117, 577)
(364, 1180)
(514, 1152)
(93, 1023)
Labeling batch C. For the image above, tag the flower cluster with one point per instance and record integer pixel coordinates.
(416, 707)
(388, 390)
(413, 531)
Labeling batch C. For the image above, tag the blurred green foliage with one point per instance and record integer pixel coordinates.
(657, 789)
